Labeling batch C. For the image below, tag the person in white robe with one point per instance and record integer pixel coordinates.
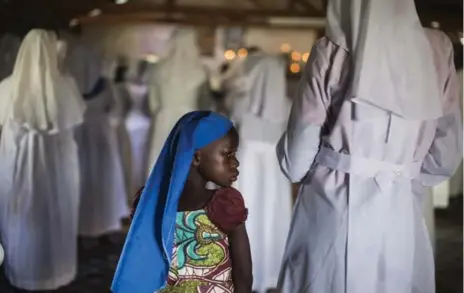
(39, 170)
(174, 87)
(376, 120)
(9, 46)
(260, 115)
(118, 114)
(103, 192)
(138, 125)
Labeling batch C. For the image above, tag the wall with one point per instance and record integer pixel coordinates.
(138, 40)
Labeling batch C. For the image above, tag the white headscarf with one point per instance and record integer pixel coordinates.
(37, 95)
(392, 57)
(268, 96)
(9, 46)
(182, 65)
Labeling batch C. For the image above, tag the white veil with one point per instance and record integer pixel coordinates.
(392, 57)
(37, 95)
(182, 65)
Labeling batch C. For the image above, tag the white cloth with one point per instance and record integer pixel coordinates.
(9, 46)
(2, 254)
(174, 88)
(39, 173)
(391, 29)
(138, 127)
(103, 192)
(267, 193)
(453, 187)
(358, 224)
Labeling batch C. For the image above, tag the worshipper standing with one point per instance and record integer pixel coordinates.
(261, 116)
(175, 87)
(9, 46)
(120, 108)
(375, 120)
(39, 173)
(103, 192)
(185, 237)
(138, 124)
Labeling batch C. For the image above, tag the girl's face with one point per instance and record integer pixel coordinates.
(217, 162)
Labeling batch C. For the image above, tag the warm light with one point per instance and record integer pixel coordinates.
(435, 24)
(285, 48)
(242, 53)
(120, 1)
(74, 22)
(296, 56)
(295, 68)
(229, 54)
(305, 57)
(151, 58)
(95, 12)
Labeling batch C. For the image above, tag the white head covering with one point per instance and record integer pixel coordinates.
(37, 95)
(182, 64)
(392, 57)
(9, 46)
(268, 95)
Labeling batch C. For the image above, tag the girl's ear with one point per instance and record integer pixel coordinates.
(196, 159)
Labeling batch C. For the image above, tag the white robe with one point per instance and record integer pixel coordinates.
(138, 127)
(266, 191)
(358, 225)
(103, 193)
(174, 88)
(453, 187)
(118, 116)
(39, 169)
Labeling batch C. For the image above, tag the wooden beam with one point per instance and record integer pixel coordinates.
(206, 11)
(189, 20)
(306, 5)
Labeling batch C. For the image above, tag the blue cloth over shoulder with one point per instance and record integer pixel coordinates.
(146, 256)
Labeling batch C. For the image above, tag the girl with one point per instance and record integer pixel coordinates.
(184, 237)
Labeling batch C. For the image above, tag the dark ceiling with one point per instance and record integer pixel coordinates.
(18, 16)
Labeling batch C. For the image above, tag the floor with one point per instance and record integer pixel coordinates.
(97, 263)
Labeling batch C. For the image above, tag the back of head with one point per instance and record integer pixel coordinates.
(182, 63)
(37, 55)
(38, 96)
(392, 59)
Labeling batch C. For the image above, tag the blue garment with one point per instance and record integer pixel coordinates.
(146, 256)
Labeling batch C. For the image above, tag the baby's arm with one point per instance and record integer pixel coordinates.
(241, 260)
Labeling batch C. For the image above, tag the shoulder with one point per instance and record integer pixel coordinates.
(326, 55)
(441, 44)
(226, 209)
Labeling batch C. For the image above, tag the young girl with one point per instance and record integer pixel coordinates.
(185, 238)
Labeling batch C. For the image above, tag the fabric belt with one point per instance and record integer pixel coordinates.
(366, 167)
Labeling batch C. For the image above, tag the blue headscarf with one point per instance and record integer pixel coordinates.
(146, 256)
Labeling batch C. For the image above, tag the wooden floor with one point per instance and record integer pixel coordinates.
(97, 264)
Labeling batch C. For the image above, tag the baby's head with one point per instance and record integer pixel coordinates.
(217, 162)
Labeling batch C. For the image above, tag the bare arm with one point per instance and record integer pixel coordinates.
(241, 260)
